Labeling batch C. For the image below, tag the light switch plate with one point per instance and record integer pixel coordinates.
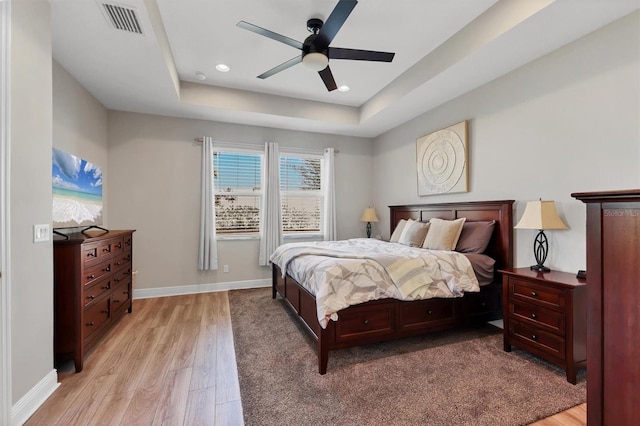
(41, 233)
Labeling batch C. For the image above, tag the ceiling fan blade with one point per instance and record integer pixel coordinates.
(327, 78)
(335, 21)
(270, 34)
(283, 66)
(360, 55)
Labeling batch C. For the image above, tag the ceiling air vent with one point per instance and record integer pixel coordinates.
(122, 18)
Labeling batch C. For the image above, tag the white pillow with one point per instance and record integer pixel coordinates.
(413, 233)
(443, 234)
(396, 232)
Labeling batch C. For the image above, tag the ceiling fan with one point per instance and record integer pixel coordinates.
(316, 51)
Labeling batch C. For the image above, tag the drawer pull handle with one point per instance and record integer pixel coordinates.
(116, 301)
(107, 269)
(106, 249)
(366, 322)
(91, 324)
(127, 293)
(119, 245)
(90, 277)
(127, 243)
(104, 312)
(92, 297)
(533, 316)
(91, 254)
(106, 287)
(117, 280)
(118, 263)
(429, 311)
(534, 337)
(127, 273)
(534, 294)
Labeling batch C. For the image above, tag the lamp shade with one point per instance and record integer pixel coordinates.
(369, 215)
(540, 215)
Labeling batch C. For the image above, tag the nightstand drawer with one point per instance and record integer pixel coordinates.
(530, 292)
(537, 341)
(538, 316)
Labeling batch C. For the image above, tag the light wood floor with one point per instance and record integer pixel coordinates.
(170, 362)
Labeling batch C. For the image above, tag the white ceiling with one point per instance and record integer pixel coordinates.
(443, 48)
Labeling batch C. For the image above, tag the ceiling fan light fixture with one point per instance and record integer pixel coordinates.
(316, 61)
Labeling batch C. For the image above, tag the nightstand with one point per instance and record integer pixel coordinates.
(545, 314)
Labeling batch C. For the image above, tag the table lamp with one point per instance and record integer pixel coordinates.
(369, 215)
(540, 215)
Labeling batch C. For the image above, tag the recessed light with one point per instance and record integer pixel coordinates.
(222, 67)
(344, 88)
(201, 76)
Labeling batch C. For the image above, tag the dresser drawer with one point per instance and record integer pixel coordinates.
(117, 246)
(121, 258)
(538, 316)
(120, 297)
(95, 272)
(534, 293)
(122, 274)
(366, 322)
(537, 341)
(94, 317)
(93, 292)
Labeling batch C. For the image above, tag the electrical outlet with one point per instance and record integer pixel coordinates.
(225, 268)
(41, 233)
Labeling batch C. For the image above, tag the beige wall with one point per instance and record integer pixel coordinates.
(565, 123)
(154, 170)
(30, 195)
(80, 125)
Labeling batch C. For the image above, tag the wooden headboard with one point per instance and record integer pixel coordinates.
(501, 244)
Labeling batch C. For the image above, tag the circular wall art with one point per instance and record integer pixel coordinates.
(442, 161)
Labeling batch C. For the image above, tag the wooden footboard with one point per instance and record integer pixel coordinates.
(385, 319)
(388, 319)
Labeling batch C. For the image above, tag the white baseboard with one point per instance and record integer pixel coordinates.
(145, 293)
(32, 400)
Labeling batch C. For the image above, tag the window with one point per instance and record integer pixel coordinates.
(301, 194)
(238, 192)
(237, 176)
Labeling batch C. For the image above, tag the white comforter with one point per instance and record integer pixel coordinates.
(345, 273)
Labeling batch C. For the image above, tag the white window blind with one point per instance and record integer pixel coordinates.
(301, 194)
(237, 179)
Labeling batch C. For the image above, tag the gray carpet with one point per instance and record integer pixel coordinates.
(460, 377)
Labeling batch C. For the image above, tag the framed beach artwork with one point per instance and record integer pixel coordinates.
(77, 191)
(442, 161)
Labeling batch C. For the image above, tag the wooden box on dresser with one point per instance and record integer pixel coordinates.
(545, 314)
(92, 289)
(613, 301)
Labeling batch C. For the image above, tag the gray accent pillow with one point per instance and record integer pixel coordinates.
(475, 237)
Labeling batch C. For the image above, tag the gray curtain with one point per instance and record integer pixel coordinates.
(329, 188)
(208, 251)
(270, 213)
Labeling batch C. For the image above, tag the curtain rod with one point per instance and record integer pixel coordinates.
(244, 145)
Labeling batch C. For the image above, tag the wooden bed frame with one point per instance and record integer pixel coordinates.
(388, 319)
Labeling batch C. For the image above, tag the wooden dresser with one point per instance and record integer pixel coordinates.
(545, 314)
(92, 289)
(613, 299)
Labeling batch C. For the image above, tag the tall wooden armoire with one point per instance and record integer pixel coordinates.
(613, 307)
